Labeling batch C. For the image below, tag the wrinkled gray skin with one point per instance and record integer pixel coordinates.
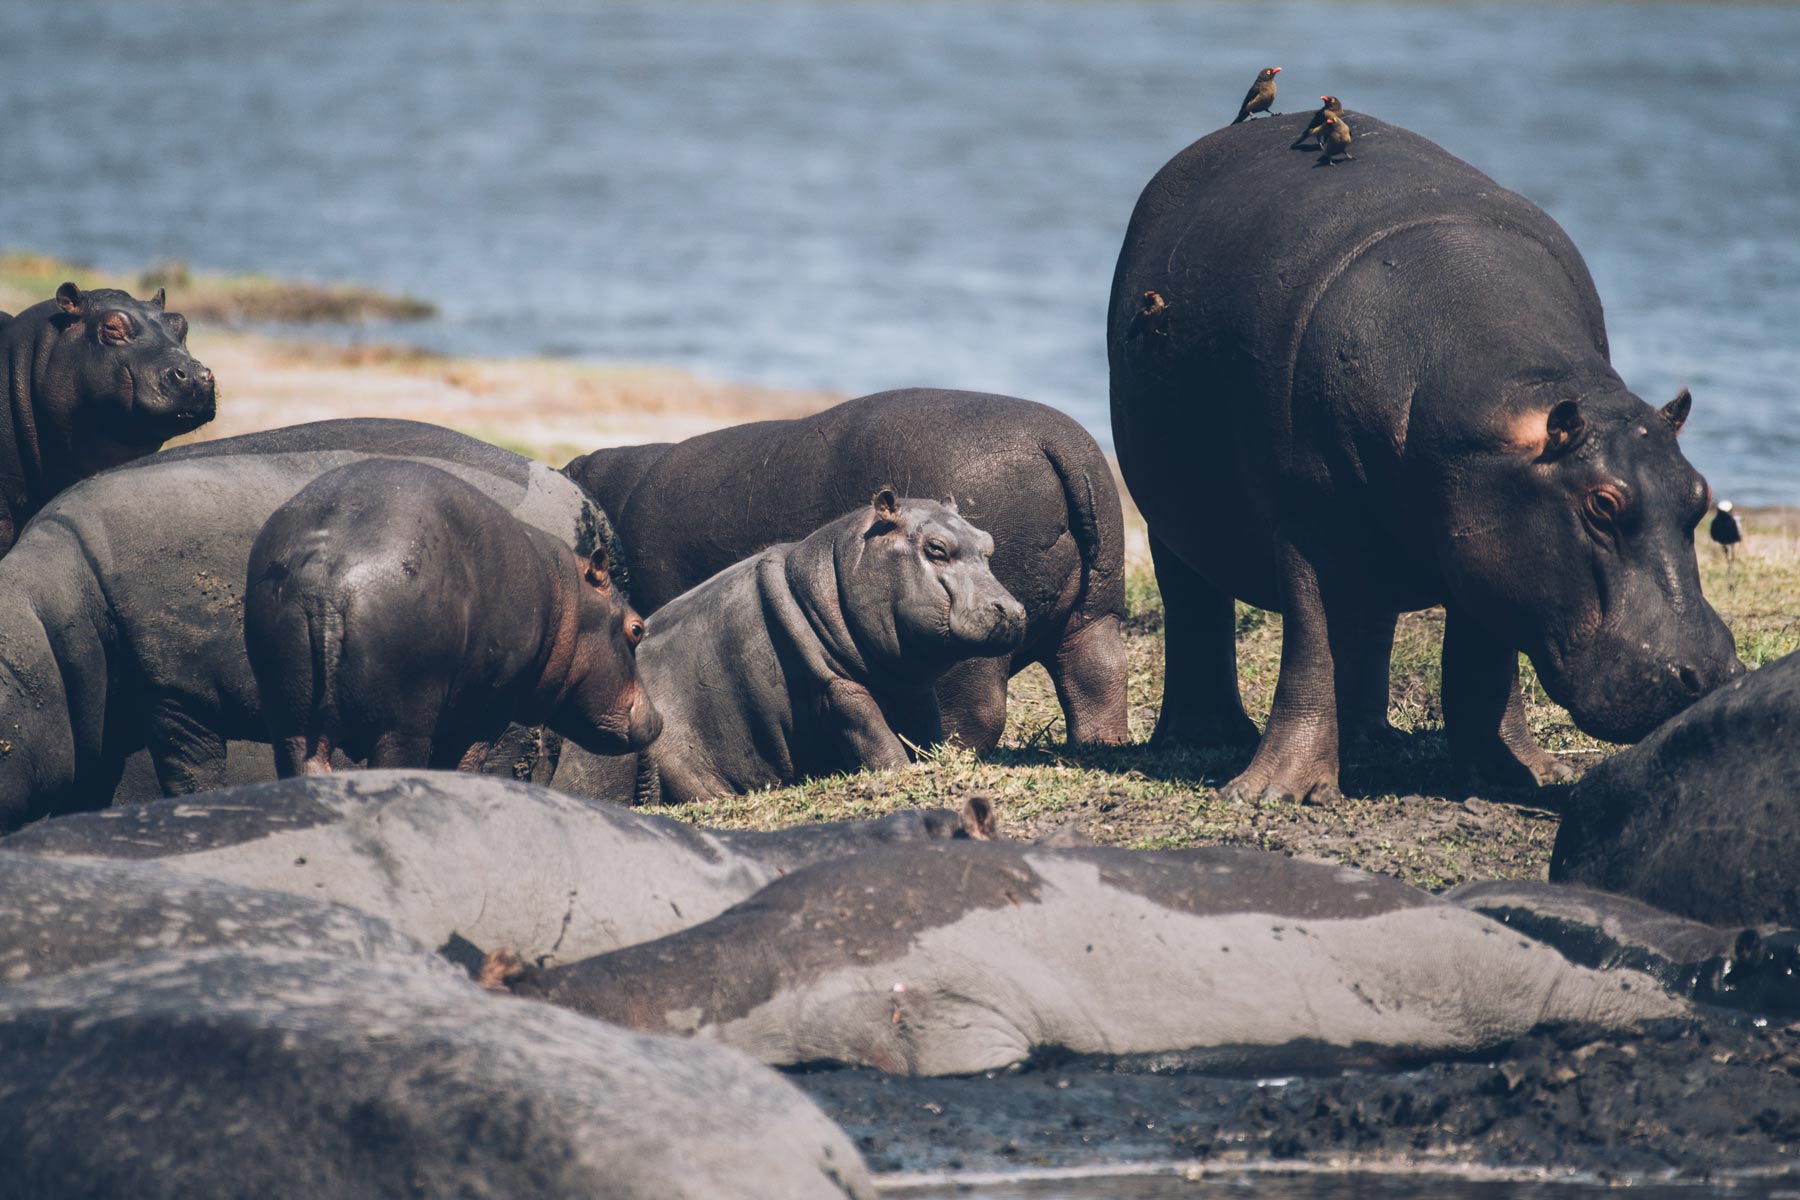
(92, 379)
(397, 613)
(812, 657)
(1756, 970)
(1377, 389)
(1703, 816)
(121, 614)
(279, 1074)
(960, 957)
(59, 915)
(441, 856)
(1027, 474)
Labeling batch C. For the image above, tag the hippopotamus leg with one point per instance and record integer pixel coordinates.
(972, 696)
(1363, 684)
(1089, 669)
(1201, 703)
(1484, 714)
(188, 751)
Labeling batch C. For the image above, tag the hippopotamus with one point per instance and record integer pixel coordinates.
(1024, 472)
(286, 1075)
(1379, 389)
(1757, 970)
(396, 611)
(813, 657)
(59, 915)
(121, 607)
(453, 860)
(93, 379)
(959, 957)
(1702, 818)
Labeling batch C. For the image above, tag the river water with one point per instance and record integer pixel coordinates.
(869, 195)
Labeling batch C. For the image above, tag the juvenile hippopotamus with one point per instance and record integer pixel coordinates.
(958, 957)
(442, 856)
(1703, 816)
(398, 613)
(121, 608)
(289, 1076)
(1025, 473)
(93, 379)
(814, 657)
(1377, 390)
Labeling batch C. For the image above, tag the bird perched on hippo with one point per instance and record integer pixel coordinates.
(815, 656)
(399, 614)
(93, 379)
(1261, 96)
(1390, 389)
(1024, 472)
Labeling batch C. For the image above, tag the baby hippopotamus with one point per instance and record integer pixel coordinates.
(816, 656)
(397, 613)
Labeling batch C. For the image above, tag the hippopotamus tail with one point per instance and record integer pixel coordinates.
(1097, 523)
(325, 640)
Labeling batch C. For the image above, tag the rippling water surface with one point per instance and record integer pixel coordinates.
(870, 195)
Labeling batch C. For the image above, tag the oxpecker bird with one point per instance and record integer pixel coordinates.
(1328, 106)
(1151, 315)
(1334, 140)
(1261, 94)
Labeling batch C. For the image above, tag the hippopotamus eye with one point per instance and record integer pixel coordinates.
(115, 327)
(1604, 506)
(634, 631)
(936, 551)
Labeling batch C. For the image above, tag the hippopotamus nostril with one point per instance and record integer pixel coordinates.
(1690, 679)
(177, 375)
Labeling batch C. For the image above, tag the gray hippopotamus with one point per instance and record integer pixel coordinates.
(1025, 473)
(450, 859)
(288, 1076)
(1702, 817)
(93, 379)
(1381, 388)
(400, 614)
(121, 607)
(812, 657)
(960, 957)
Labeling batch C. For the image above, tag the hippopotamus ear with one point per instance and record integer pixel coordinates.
(979, 821)
(1564, 427)
(177, 326)
(886, 505)
(69, 297)
(1675, 412)
(950, 503)
(595, 574)
(160, 298)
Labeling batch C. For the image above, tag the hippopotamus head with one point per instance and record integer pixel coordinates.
(605, 708)
(120, 377)
(1577, 542)
(920, 591)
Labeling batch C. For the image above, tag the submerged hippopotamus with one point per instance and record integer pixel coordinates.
(1025, 473)
(954, 958)
(813, 657)
(287, 1076)
(1702, 817)
(1380, 389)
(93, 379)
(121, 617)
(397, 612)
(450, 859)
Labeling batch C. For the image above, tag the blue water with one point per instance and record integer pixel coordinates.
(870, 195)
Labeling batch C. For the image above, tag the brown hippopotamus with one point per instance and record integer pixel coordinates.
(396, 612)
(1026, 473)
(1377, 390)
(92, 379)
(815, 656)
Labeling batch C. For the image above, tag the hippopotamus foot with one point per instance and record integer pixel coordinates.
(1484, 713)
(1089, 671)
(188, 753)
(1201, 705)
(1362, 684)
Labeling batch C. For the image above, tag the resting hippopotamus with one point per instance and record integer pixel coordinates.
(442, 856)
(93, 379)
(813, 657)
(397, 612)
(1026, 473)
(1757, 970)
(121, 607)
(1703, 817)
(1382, 388)
(287, 1076)
(958, 957)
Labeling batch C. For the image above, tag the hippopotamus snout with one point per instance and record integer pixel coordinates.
(1619, 696)
(987, 615)
(186, 395)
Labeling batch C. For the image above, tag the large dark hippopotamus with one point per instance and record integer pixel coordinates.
(441, 856)
(1024, 472)
(813, 657)
(1703, 816)
(121, 607)
(93, 379)
(399, 614)
(287, 1076)
(959, 957)
(1377, 388)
